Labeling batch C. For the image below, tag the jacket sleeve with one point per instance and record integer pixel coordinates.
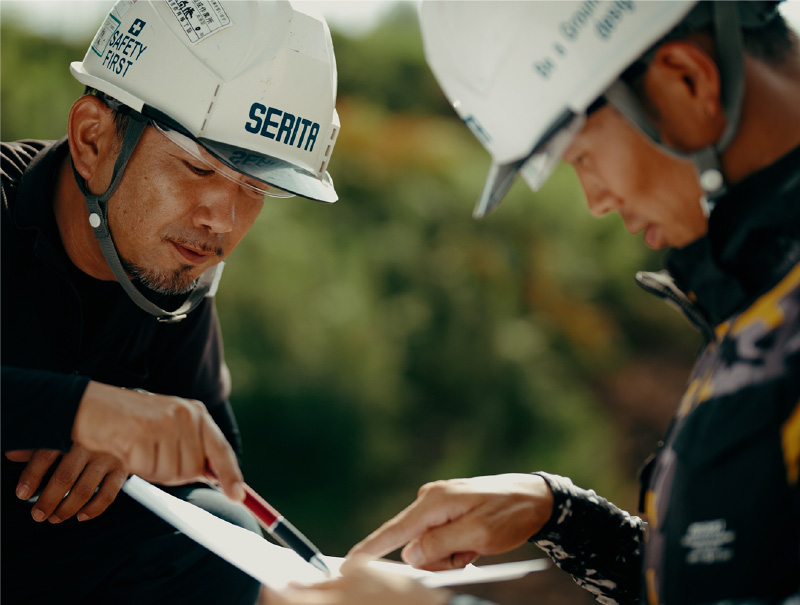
(599, 544)
(39, 408)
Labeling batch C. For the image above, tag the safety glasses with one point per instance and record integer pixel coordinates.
(538, 167)
(196, 150)
(543, 161)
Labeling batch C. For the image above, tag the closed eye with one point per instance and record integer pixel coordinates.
(197, 170)
(576, 157)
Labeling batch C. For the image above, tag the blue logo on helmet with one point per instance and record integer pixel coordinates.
(282, 126)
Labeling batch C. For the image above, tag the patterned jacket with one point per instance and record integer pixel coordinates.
(721, 495)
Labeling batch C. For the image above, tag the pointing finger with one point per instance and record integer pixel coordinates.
(222, 460)
(426, 512)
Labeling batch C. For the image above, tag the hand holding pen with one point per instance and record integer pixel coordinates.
(279, 527)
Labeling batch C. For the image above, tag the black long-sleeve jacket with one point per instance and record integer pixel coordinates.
(62, 328)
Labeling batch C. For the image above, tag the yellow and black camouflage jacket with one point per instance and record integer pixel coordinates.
(721, 496)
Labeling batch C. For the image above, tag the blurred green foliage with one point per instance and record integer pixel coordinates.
(36, 88)
(389, 339)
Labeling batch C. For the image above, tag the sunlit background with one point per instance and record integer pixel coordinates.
(389, 339)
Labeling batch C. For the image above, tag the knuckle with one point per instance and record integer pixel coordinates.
(197, 404)
(63, 476)
(434, 488)
(481, 537)
(81, 492)
(186, 410)
(426, 488)
(179, 414)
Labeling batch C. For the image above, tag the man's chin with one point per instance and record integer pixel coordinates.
(176, 283)
(170, 288)
(171, 285)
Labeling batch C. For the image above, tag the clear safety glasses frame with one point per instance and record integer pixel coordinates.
(538, 167)
(197, 151)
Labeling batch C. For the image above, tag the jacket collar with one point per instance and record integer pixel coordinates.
(37, 188)
(753, 240)
(34, 204)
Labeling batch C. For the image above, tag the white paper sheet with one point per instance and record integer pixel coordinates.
(276, 566)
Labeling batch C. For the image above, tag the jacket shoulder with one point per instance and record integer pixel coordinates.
(15, 158)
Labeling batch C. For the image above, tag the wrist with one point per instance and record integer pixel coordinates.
(85, 415)
(552, 493)
(95, 418)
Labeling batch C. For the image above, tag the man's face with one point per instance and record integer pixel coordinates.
(172, 218)
(621, 170)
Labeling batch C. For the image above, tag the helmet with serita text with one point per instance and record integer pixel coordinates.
(251, 83)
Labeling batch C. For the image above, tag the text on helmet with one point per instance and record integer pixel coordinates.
(601, 18)
(282, 126)
(123, 50)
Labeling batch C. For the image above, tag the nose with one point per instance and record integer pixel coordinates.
(216, 211)
(602, 203)
(598, 198)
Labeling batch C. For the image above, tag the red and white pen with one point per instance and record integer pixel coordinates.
(279, 527)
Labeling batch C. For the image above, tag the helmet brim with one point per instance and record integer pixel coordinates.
(274, 171)
(271, 170)
(498, 182)
(536, 167)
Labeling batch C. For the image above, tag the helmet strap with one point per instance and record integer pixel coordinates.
(98, 220)
(730, 57)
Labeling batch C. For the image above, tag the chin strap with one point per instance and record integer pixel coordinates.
(730, 59)
(98, 219)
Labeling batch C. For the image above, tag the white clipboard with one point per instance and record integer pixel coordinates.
(276, 566)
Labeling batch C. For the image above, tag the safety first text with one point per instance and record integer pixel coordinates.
(122, 51)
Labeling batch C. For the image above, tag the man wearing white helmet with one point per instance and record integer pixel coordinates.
(112, 247)
(684, 118)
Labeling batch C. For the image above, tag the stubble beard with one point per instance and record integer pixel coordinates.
(171, 283)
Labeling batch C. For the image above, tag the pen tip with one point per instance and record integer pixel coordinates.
(317, 562)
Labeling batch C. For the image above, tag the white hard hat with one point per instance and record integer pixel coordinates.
(519, 73)
(254, 82)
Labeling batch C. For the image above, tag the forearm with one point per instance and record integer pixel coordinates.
(599, 544)
(39, 408)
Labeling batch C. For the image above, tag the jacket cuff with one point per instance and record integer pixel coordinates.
(563, 490)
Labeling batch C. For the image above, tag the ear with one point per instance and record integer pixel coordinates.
(682, 84)
(92, 140)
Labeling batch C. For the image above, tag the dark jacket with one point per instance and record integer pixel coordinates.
(61, 328)
(722, 495)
